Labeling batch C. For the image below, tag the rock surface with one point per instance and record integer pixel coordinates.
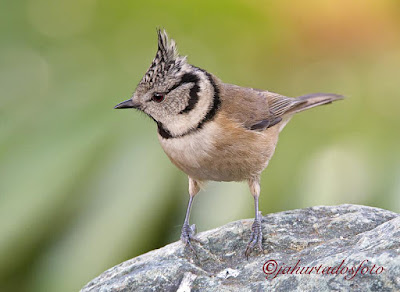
(337, 248)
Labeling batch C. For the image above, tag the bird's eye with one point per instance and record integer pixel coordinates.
(158, 97)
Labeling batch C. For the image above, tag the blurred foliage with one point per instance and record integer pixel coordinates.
(84, 187)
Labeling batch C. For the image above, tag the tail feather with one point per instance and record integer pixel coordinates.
(312, 100)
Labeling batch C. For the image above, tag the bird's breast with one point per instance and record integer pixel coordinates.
(221, 150)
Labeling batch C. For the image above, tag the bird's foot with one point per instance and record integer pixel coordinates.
(255, 239)
(187, 235)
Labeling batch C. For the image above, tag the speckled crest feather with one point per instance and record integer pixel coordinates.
(166, 61)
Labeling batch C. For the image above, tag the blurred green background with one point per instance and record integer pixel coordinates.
(84, 187)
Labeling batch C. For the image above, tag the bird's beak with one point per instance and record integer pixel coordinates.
(126, 104)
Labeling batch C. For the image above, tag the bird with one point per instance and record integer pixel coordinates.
(211, 130)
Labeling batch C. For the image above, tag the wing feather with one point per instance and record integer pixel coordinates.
(256, 109)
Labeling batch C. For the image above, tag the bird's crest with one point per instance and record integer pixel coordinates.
(166, 61)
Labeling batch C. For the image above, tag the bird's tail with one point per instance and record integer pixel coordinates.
(311, 100)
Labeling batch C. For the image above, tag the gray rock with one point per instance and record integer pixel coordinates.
(338, 248)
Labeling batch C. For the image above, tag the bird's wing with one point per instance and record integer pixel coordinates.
(280, 104)
(255, 109)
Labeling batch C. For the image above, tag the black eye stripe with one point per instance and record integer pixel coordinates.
(216, 105)
(186, 78)
(193, 99)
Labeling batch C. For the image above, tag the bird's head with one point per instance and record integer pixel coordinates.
(173, 93)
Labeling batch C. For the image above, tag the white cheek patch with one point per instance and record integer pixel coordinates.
(179, 103)
(181, 123)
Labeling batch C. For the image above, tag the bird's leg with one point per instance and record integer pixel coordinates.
(188, 231)
(256, 230)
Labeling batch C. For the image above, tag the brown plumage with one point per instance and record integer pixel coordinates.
(212, 130)
(234, 150)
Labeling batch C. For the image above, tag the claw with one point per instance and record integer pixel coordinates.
(255, 238)
(187, 236)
